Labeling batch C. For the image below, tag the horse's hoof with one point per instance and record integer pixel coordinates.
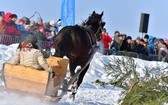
(72, 96)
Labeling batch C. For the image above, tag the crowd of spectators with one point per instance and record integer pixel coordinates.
(44, 31)
(146, 45)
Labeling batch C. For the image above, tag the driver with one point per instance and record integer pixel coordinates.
(29, 55)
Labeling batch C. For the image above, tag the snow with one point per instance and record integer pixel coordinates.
(88, 93)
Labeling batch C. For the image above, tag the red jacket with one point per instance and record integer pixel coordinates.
(11, 29)
(106, 40)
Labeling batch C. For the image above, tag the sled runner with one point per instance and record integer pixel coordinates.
(31, 80)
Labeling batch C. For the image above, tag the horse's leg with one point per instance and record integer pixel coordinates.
(72, 66)
(81, 76)
(77, 83)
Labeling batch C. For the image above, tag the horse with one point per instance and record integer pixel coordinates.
(76, 42)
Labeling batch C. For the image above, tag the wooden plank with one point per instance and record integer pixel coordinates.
(26, 73)
(24, 85)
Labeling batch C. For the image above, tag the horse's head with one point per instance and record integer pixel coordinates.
(95, 23)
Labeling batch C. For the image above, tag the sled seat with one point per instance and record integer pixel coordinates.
(28, 79)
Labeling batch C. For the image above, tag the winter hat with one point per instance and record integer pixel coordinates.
(52, 22)
(27, 20)
(28, 27)
(21, 20)
(129, 37)
(59, 22)
(146, 36)
(31, 39)
(120, 35)
(161, 40)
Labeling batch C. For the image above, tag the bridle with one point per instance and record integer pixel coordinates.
(100, 29)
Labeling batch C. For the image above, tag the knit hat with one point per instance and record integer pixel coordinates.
(26, 19)
(31, 39)
(129, 37)
(59, 22)
(28, 27)
(120, 35)
(21, 20)
(52, 22)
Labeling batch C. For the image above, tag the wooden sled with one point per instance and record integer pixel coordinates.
(31, 80)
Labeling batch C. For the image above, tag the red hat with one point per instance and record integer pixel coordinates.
(21, 20)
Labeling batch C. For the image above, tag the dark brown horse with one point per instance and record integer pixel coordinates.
(76, 42)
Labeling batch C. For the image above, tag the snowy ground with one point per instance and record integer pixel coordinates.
(88, 94)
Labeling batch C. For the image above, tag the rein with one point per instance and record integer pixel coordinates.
(99, 29)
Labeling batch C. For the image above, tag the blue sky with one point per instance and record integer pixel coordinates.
(122, 15)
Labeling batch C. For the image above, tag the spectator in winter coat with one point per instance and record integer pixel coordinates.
(26, 20)
(134, 45)
(146, 44)
(11, 27)
(117, 43)
(126, 45)
(21, 26)
(29, 55)
(162, 51)
(146, 37)
(116, 33)
(28, 30)
(40, 34)
(2, 23)
(50, 30)
(32, 23)
(106, 39)
(38, 24)
(151, 44)
(7, 17)
(141, 49)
